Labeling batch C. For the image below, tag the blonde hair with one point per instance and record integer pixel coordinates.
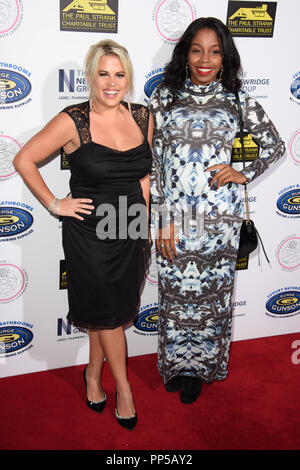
(107, 47)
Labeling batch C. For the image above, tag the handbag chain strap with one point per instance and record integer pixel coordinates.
(244, 166)
(241, 123)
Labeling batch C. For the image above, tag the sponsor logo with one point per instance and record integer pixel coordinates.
(15, 222)
(62, 274)
(255, 86)
(172, 17)
(288, 253)
(294, 147)
(64, 160)
(66, 331)
(295, 88)
(15, 339)
(288, 202)
(72, 85)
(147, 320)
(152, 275)
(242, 263)
(97, 16)
(11, 15)
(250, 146)
(250, 199)
(13, 282)
(14, 86)
(251, 19)
(9, 147)
(153, 78)
(284, 303)
(237, 305)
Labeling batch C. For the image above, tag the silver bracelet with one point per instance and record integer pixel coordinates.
(54, 206)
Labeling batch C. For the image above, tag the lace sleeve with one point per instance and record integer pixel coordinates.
(80, 115)
(141, 116)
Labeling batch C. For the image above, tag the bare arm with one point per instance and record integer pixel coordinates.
(59, 132)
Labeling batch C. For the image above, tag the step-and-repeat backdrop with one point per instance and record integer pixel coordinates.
(43, 45)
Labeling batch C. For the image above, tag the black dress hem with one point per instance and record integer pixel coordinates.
(96, 327)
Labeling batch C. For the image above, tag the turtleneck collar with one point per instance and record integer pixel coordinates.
(212, 87)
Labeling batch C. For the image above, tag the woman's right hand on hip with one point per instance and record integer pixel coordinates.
(72, 207)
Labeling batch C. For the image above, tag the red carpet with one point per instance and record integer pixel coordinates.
(256, 408)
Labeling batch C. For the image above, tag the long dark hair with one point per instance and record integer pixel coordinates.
(175, 72)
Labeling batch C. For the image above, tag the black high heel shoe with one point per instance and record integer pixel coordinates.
(94, 405)
(128, 422)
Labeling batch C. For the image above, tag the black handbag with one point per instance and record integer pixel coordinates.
(249, 235)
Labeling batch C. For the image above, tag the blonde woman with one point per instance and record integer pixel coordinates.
(107, 140)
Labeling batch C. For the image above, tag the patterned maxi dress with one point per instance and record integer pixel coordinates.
(195, 290)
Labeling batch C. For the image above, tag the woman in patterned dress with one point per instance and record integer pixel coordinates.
(196, 193)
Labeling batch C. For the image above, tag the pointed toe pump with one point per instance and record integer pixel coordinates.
(127, 422)
(97, 406)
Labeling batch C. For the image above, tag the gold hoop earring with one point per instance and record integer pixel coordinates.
(221, 73)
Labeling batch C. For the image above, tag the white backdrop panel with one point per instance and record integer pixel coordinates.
(34, 334)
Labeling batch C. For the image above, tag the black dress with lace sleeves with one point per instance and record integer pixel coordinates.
(105, 252)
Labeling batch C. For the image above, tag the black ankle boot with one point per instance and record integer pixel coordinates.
(190, 389)
(174, 384)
